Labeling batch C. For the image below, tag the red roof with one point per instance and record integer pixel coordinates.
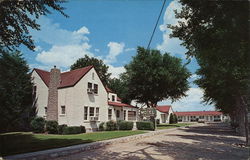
(44, 75)
(68, 79)
(199, 113)
(164, 109)
(118, 104)
(108, 90)
(119, 99)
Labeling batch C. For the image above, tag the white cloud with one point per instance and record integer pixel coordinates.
(66, 46)
(52, 33)
(192, 102)
(170, 45)
(114, 50)
(129, 49)
(116, 71)
(64, 56)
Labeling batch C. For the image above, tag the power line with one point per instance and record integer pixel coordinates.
(156, 24)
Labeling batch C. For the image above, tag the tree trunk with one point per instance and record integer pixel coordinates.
(241, 117)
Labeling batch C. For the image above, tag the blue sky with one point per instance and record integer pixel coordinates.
(109, 30)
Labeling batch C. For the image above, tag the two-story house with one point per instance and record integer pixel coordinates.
(78, 97)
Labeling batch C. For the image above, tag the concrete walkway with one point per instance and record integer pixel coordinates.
(204, 142)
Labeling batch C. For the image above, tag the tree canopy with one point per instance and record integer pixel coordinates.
(153, 77)
(100, 67)
(16, 92)
(217, 34)
(16, 17)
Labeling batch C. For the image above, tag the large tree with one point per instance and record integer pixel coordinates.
(153, 77)
(119, 86)
(101, 68)
(16, 92)
(17, 16)
(217, 34)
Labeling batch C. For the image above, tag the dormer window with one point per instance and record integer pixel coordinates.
(113, 98)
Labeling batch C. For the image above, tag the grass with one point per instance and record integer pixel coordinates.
(23, 142)
(167, 126)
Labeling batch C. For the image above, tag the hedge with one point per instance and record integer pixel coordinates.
(37, 125)
(72, 130)
(52, 127)
(60, 128)
(125, 125)
(111, 126)
(145, 125)
(102, 126)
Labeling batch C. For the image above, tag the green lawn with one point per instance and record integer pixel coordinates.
(22, 142)
(167, 126)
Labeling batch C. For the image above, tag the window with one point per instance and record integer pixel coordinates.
(63, 111)
(109, 114)
(124, 115)
(89, 85)
(91, 111)
(118, 113)
(113, 98)
(45, 110)
(34, 91)
(97, 112)
(96, 88)
(201, 117)
(93, 76)
(85, 113)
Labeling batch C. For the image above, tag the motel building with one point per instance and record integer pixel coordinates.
(200, 116)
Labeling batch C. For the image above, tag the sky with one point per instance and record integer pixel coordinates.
(110, 30)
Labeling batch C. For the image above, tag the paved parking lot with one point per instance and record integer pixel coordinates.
(202, 142)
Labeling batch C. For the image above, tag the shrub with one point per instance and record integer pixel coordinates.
(60, 128)
(51, 127)
(83, 129)
(37, 125)
(157, 121)
(102, 126)
(145, 125)
(72, 130)
(125, 125)
(111, 126)
(175, 118)
(171, 119)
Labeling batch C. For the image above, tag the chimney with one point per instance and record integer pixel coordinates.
(52, 107)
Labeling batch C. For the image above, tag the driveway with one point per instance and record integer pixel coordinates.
(202, 142)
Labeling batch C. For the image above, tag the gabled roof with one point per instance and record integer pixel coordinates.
(108, 90)
(164, 109)
(68, 79)
(44, 75)
(199, 113)
(118, 104)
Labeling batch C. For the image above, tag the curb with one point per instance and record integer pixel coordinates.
(64, 151)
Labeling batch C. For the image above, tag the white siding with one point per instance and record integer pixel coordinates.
(41, 94)
(76, 98)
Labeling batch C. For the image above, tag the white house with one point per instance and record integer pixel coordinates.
(163, 113)
(78, 97)
(205, 116)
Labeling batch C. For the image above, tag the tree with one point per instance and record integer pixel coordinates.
(119, 86)
(100, 67)
(16, 17)
(153, 77)
(16, 93)
(216, 33)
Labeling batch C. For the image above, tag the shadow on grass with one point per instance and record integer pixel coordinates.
(16, 143)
